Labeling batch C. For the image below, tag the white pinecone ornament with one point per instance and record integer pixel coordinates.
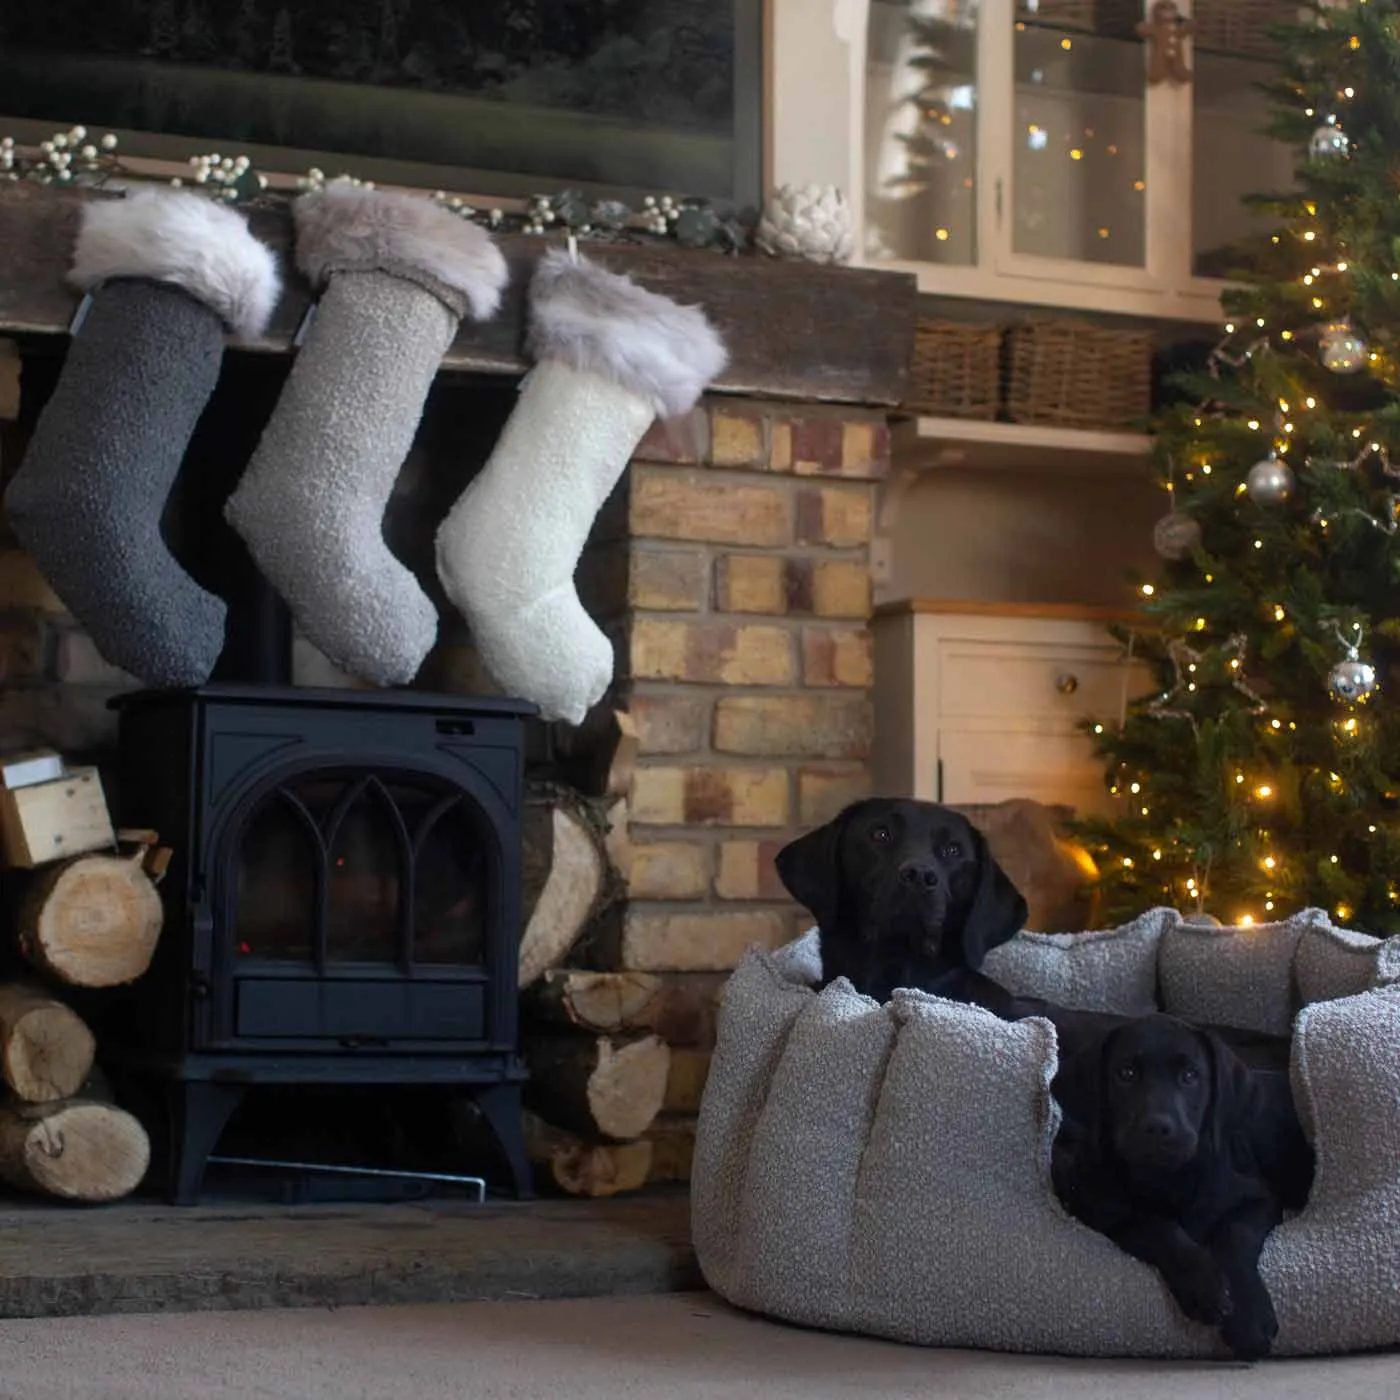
(807, 221)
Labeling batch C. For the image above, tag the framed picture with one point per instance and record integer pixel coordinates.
(506, 97)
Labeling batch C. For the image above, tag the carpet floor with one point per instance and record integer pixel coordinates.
(681, 1346)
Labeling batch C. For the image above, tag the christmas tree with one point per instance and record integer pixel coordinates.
(1262, 775)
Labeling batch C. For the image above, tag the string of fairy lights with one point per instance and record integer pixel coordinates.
(1343, 350)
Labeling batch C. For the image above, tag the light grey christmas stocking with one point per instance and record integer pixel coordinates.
(397, 274)
(168, 273)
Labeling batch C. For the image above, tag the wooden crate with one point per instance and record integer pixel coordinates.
(956, 370)
(1067, 373)
(50, 821)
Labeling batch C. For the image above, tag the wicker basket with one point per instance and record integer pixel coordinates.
(1241, 26)
(956, 372)
(1073, 374)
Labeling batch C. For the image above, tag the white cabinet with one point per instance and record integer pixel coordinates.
(1014, 150)
(979, 703)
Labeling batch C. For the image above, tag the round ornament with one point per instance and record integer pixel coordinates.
(1174, 536)
(1328, 143)
(1202, 920)
(1270, 482)
(1352, 681)
(1344, 349)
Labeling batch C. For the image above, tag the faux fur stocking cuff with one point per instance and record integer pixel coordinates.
(187, 240)
(597, 321)
(346, 228)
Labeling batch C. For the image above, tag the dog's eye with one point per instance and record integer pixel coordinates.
(1127, 1073)
(880, 835)
(951, 851)
(1188, 1075)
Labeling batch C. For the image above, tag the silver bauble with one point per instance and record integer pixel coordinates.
(1174, 536)
(1202, 920)
(1270, 482)
(1328, 142)
(1352, 681)
(1344, 349)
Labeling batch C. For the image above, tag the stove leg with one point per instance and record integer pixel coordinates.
(500, 1107)
(199, 1112)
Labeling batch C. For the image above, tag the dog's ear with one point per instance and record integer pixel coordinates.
(1080, 1087)
(810, 869)
(998, 910)
(1231, 1092)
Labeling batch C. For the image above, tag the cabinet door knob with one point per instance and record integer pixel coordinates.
(1067, 683)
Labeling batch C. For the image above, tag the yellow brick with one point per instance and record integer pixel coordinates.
(835, 516)
(668, 870)
(711, 941)
(841, 588)
(667, 505)
(751, 583)
(669, 580)
(804, 726)
(710, 796)
(669, 724)
(837, 657)
(711, 653)
(822, 793)
(658, 796)
(780, 450)
(736, 441)
(747, 870)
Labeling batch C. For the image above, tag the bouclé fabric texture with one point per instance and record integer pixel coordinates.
(87, 499)
(347, 228)
(886, 1169)
(604, 324)
(187, 241)
(311, 503)
(611, 356)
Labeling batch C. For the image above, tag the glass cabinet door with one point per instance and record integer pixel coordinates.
(1080, 133)
(921, 132)
(1231, 156)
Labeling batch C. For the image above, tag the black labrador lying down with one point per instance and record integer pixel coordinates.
(906, 894)
(1186, 1158)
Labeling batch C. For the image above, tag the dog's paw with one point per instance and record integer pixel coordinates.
(1202, 1291)
(1250, 1331)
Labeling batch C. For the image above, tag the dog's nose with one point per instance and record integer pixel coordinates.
(1158, 1127)
(918, 872)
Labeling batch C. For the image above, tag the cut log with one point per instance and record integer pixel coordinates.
(600, 755)
(597, 1086)
(679, 1008)
(76, 1149)
(93, 921)
(582, 1168)
(566, 875)
(46, 1049)
(596, 1001)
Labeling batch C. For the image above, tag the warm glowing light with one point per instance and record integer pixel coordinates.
(1259, 544)
(1279, 613)
(1288, 335)
(1311, 402)
(1127, 862)
(1268, 904)
(1210, 578)
(1269, 863)
(1135, 788)
(1205, 469)
(1066, 43)
(1343, 911)
(1098, 729)
(1309, 236)
(1263, 790)
(1200, 624)
(1275, 724)
(1239, 777)
(1148, 590)
(1335, 778)
(1371, 829)
(1333, 859)
(1246, 921)
(942, 235)
(1157, 855)
(1350, 726)
(1076, 154)
(1254, 424)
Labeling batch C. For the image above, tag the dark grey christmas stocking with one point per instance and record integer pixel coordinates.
(168, 272)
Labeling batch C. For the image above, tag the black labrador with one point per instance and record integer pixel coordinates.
(1186, 1158)
(906, 894)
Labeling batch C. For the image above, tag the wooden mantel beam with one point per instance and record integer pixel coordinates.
(794, 330)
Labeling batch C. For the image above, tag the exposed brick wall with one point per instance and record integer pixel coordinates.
(737, 566)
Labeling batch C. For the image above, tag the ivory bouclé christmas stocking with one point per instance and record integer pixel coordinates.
(396, 275)
(610, 357)
(168, 273)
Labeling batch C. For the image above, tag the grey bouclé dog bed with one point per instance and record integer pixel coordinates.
(886, 1169)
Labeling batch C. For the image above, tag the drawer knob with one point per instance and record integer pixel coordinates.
(1067, 683)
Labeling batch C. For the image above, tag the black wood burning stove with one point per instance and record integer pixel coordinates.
(342, 907)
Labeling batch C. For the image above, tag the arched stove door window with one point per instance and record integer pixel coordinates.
(334, 870)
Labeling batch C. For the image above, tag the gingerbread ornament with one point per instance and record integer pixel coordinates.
(1166, 31)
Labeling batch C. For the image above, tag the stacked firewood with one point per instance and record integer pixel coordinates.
(89, 918)
(617, 1060)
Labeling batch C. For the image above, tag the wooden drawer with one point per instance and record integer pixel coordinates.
(987, 765)
(1049, 686)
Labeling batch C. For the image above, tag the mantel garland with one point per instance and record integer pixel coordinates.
(74, 158)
